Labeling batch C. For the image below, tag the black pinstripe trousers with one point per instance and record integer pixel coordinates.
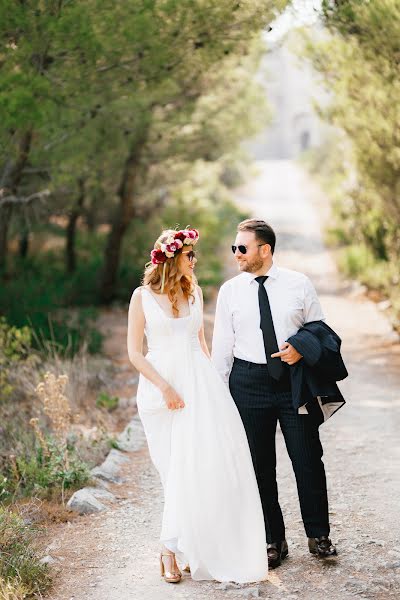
(262, 402)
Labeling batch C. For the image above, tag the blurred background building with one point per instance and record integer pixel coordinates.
(292, 89)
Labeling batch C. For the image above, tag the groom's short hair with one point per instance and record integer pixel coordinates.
(261, 229)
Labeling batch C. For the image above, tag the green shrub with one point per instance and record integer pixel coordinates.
(355, 260)
(113, 443)
(41, 296)
(47, 472)
(108, 402)
(19, 562)
(15, 344)
(358, 261)
(49, 463)
(362, 232)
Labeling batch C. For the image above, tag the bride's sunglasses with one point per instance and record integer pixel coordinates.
(191, 255)
(242, 249)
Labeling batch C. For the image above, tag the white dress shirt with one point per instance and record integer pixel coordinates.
(237, 332)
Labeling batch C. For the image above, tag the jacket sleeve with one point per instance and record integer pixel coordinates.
(320, 347)
(308, 345)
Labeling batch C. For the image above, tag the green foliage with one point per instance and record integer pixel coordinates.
(360, 64)
(80, 82)
(14, 351)
(19, 561)
(37, 297)
(103, 400)
(83, 76)
(45, 472)
(113, 443)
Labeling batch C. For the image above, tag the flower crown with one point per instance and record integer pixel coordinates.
(173, 244)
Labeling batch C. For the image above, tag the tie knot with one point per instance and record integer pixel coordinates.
(261, 280)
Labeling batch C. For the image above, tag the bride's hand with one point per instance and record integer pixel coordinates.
(172, 398)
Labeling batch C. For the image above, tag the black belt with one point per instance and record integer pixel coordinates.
(284, 381)
(250, 365)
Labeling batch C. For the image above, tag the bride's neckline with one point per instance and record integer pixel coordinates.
(163, 311)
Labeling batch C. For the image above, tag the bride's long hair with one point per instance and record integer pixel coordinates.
(173, 279)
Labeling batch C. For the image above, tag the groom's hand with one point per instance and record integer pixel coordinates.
(288, 354)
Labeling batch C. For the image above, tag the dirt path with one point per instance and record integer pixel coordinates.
(113, 555)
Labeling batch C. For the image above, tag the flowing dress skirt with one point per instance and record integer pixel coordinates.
(212, 513)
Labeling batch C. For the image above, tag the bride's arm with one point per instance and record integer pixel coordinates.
(136, 322)
(202, 337)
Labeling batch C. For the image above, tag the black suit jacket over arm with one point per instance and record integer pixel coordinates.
(314, 377)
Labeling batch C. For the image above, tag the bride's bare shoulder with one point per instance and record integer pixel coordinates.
(136, 298)
(138, 291)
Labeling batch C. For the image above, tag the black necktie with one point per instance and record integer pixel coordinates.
(275, 367)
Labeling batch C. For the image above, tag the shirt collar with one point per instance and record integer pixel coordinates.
(272, 273)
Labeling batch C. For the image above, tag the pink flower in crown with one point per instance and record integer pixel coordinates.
(158, 257)
(178, 243)
(172, 247)
(191, 236)
(180, 235)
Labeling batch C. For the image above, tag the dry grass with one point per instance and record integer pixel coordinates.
(12, 590)
(55, 405)
(21, 569)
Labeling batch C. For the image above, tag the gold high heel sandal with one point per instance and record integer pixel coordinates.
(169, 576)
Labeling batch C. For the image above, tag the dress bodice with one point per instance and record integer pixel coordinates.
(169, 334)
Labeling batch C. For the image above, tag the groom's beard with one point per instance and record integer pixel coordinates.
(251, 266)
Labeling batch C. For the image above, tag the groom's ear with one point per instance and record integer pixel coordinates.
(266, 250)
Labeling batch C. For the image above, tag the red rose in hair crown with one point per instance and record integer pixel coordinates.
(173, 244)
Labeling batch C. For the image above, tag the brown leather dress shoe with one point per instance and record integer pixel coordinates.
(322, 547)
(276, 552)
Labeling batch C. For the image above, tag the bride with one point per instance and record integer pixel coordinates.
(212, 515)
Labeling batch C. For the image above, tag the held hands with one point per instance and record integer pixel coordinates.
(172, 398)
(288, 354)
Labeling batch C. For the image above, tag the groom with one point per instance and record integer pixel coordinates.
(257, 311)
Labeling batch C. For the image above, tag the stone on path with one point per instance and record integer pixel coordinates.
(109, 469)
(88, 499)
(47, 560)
(132, 438)
(85, 502)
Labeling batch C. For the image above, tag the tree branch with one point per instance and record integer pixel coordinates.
(22, 200)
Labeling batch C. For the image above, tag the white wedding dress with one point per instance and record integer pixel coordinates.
(212, 516)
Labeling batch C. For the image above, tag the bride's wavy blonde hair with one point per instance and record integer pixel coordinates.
(173, 280)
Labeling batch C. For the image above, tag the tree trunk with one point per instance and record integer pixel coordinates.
(70, 255)
(9, 185)
(90, 217)
(5, 215)
(123, 217)
(23, 244)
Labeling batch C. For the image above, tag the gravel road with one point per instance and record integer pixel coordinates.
(113, 555)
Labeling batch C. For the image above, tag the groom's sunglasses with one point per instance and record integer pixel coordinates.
(242, 249)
